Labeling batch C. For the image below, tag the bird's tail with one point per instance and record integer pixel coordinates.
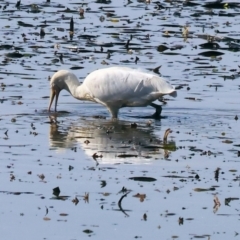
(173, 93)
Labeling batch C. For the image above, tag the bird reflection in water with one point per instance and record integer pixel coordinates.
(110, 142)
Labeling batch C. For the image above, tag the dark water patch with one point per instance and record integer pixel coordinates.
(22, 24)
(171, 53)
(223, 14)
(10, 146)
(171, 25)
(16, 97)
(193, 99)
(176, 176)
(30, 78)
(170, 147)
(211, 54)
(162, 48)
(227, 214)
(204, 189)
(87, 36)
(6, 46)
(62, 198)
(133, 30)
(88, 231)
(190, 4)
(14, 55)
(37, 47)
(201, 236)
(106, 45)
(198, 60)
(107, 168)
(228, 200)
(16, 193)
(233, 46)
(210, 45)
(67, 10)
(76, 67)
(127, 155)
(221, 5)
(204, 67)
(170, 214)
(143, 179)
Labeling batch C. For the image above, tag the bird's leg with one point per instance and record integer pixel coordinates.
(113, 111)
(157, 114)
(158, 108)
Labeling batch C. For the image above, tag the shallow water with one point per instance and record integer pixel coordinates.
(82, 154)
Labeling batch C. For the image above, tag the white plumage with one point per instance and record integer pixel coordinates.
(113, 87)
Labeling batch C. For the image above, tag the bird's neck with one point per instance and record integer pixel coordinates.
(74, 87)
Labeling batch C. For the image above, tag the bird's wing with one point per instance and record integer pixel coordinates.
(126, 86)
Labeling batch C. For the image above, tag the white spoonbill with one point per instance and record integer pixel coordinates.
(114, 87)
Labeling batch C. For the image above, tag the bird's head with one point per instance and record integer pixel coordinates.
(60, 80)
(57, 83)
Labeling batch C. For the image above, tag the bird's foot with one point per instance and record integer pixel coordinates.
(157, 114)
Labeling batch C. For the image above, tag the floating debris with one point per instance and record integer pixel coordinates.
(217, 204)
(56, 191)
(145, 217)
(140, 196)
(216, 175)
(75, 201)
(180, 220)
(228, 200)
